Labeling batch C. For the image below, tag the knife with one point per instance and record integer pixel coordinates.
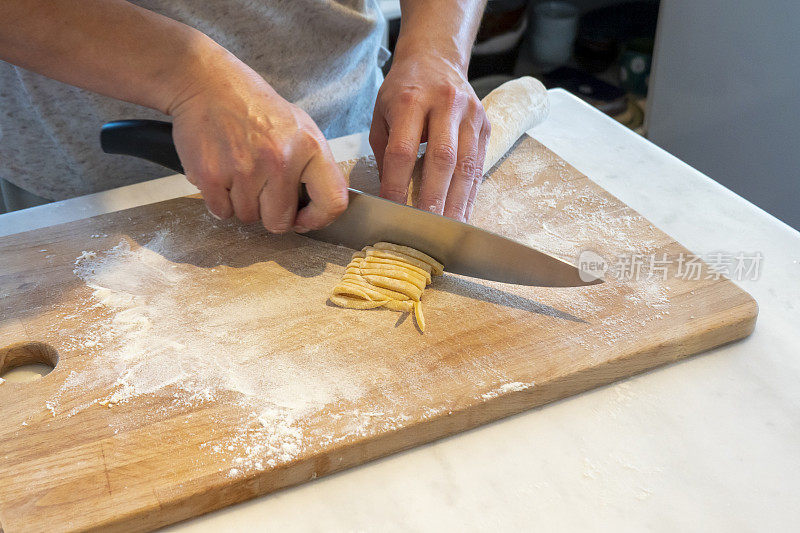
(462, 248)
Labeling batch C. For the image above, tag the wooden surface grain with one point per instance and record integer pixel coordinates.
(490, 350)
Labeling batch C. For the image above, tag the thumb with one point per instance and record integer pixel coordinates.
(327, 189)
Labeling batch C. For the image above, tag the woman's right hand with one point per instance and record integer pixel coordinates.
(247, 150)
(244, 146)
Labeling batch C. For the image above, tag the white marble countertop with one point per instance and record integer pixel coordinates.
(710, 443)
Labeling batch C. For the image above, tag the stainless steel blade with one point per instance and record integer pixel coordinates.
(462, 248)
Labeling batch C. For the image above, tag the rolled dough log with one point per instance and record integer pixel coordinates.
(513, 108)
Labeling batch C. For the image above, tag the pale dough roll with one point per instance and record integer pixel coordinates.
(513, 108)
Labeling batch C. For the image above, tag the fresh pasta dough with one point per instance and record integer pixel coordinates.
(387, 275)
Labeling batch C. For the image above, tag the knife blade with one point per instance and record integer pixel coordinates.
(462, 248)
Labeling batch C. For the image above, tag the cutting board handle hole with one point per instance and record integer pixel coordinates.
(27, 361)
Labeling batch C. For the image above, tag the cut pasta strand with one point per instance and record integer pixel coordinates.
(355, 303)
(437, 267)
(374, 252)
(387, 275)
(393, 262)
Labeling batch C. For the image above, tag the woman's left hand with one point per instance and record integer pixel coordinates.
(428, 99)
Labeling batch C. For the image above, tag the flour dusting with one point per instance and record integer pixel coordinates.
(538, 201)
(505, 389)
(163, 344)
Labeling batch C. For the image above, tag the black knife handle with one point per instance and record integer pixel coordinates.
(146, 139)
(152, 140)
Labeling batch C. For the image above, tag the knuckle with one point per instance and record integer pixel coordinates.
(394, 191)
(487, 128)
(374, 138)
(408, 96)
(278, 157)
(444, 154)
(476, 107)
(432, 202)
(241, 164)
(467, 167)
(475, 119)
(449, 93)
(206, 175)
(233, 175)
(281, 224)
(337, 205)
(402, 151)
(214, 181)
(310, 139)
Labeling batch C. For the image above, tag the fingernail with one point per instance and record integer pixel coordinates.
(300, 229)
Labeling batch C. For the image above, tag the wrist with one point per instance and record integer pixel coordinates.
(204, 68)
(420, 52)
(410, 48)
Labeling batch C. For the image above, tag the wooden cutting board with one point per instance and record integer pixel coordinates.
(199, 365)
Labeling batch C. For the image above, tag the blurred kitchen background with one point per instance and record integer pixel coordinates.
(716, 83)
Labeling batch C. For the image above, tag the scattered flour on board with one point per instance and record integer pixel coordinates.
(506, 388)
(573, 216)
(161, 344)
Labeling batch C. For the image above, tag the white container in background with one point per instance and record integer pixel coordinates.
(555, 25)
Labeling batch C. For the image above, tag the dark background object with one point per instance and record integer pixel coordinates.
(601, 32)
(602, 95)
(501, 18)
(634, 65)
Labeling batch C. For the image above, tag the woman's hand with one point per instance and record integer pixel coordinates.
(244, 146)
(428, 98)
(247, 149)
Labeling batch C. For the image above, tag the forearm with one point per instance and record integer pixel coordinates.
(110, 47)
(444, 27)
